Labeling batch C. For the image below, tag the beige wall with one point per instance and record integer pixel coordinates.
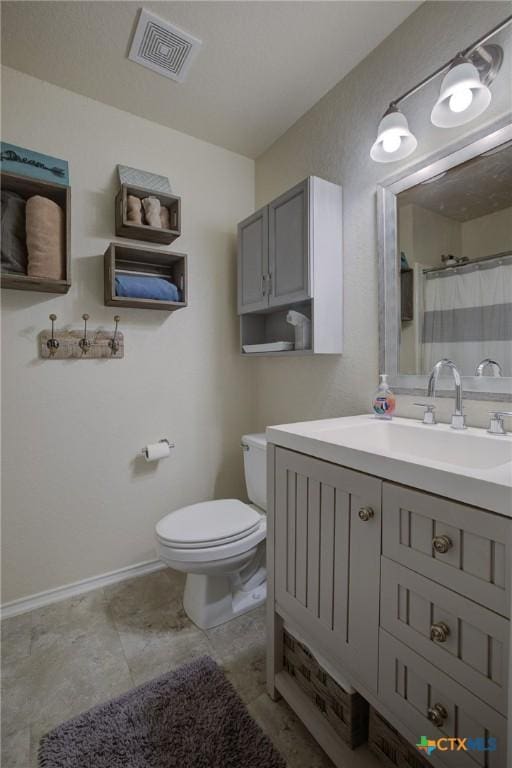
(487, 234)
(77, 501)
(434, 235)
(333, 140)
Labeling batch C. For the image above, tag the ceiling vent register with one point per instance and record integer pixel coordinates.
(162, 47)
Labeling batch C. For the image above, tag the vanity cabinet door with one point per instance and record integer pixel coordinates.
(289, 246)
(327, 559)
(253, 262)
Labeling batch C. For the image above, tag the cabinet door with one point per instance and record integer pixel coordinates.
(253, 262)
(289, 246)
(327, 559)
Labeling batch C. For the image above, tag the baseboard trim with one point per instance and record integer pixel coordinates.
(39, 600)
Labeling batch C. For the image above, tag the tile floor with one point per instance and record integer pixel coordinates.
(61, 660)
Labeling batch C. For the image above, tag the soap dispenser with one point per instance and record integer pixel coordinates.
(384, 402)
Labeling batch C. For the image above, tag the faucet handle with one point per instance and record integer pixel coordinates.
(497, 422)
(429, 416)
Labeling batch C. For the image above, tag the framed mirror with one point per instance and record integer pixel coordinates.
(445, 270)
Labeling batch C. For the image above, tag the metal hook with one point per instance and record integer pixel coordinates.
(52, 343)
(84, 342)
(113, 343)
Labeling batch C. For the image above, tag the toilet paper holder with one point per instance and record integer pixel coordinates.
(163, 440)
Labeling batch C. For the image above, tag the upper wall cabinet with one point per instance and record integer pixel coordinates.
(290, 257)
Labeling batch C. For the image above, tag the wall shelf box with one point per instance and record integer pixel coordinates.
(144, 261)
(28, 187)
(125, 228)
(290, 257)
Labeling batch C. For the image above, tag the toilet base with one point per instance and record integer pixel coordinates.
(210, 600)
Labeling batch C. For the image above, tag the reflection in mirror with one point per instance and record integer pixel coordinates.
(455, 243)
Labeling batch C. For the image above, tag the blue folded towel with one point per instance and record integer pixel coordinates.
(136, 287)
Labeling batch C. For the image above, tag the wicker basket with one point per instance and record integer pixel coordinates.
(346, 712)
(390, 746)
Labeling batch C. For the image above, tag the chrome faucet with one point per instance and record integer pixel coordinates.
(492, 364)
(458, 418)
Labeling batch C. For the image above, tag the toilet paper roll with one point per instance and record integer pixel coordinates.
(156, 451)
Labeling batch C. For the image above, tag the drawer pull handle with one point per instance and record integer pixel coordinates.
(365, 514)
(439, 632)
(442, 544)
(437, 715)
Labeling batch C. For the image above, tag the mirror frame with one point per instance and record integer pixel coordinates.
(474, 387)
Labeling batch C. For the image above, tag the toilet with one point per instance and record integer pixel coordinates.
(220, 545)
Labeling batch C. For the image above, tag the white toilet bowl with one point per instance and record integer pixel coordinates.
(220, 545)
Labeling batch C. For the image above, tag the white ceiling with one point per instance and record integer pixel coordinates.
(262, 64)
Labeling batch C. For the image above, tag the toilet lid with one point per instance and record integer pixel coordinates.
(208, 524)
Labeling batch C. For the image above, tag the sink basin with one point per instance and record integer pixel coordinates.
(420, 442)
(469, 465)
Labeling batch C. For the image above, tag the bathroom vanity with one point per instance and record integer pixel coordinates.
(389, 550)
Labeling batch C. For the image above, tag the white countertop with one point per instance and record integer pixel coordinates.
(470, 465)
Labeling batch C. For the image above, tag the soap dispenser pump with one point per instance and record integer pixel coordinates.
(384, 402)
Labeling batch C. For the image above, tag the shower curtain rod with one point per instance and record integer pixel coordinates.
(471, 263)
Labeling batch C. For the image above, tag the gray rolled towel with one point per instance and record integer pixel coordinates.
(14, 244)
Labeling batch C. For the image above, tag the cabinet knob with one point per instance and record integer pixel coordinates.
(365, 514)
(439, 632)
(442, 544)
(437, 715)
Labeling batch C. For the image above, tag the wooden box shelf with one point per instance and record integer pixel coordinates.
(125, 228)
(144, 261)
(60, 194)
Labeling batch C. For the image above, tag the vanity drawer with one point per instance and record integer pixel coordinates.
(465, 640)
(464, 548)
(418, 694)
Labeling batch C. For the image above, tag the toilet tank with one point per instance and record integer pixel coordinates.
(255, 467)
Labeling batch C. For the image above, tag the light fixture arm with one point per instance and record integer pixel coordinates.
(447, 65)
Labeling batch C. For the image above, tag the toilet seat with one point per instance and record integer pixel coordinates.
(208, 524)
(171, 554)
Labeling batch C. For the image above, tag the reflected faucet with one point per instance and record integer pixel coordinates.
(458, 418)
(488, 362)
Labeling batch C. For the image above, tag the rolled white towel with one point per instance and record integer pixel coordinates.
(152, 211)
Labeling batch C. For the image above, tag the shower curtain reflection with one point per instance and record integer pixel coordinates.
(468, 315)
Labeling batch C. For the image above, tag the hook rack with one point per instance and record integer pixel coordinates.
(81, 345)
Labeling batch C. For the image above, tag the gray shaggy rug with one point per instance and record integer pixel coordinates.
(189, 718)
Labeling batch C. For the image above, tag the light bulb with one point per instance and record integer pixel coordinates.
(461, 99)
(394, 140)
(391, 141)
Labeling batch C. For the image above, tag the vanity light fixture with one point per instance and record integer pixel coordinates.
(465, 92)
(464, 95)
